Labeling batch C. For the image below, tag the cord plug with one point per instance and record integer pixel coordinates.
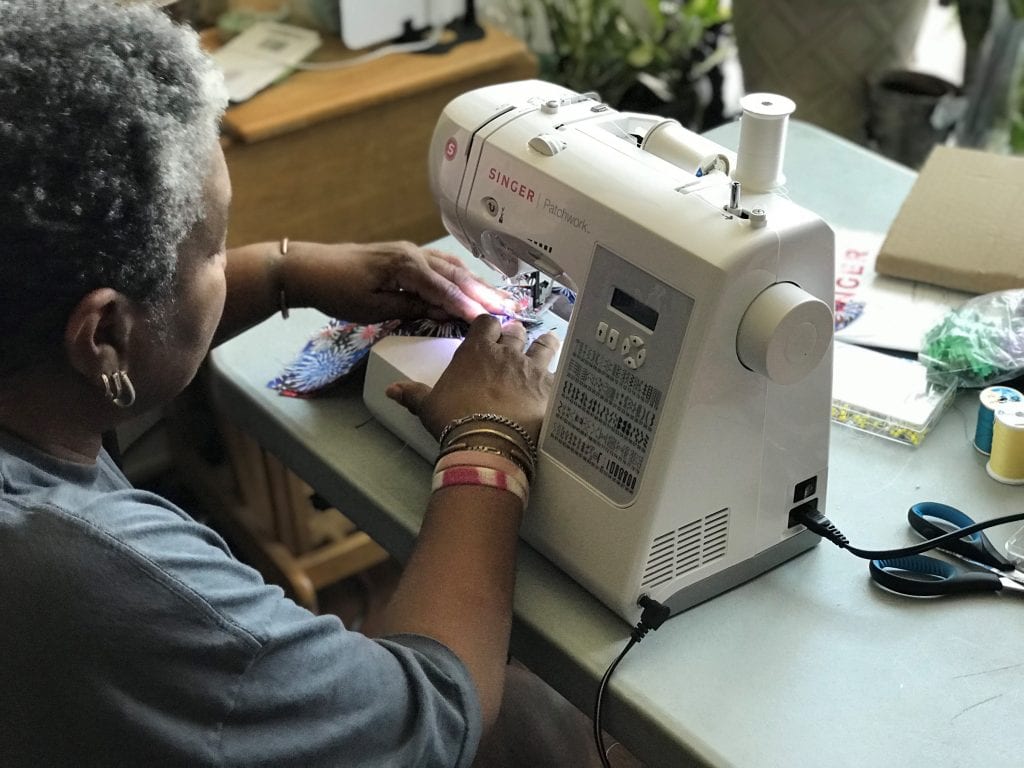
(809, 516)
(653, 615)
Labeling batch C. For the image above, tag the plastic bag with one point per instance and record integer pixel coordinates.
(981, 342)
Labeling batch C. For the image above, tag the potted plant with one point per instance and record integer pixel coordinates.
(657, 56)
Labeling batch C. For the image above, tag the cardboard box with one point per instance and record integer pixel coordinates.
(962, 225)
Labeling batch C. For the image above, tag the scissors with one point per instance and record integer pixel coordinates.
(923, 576)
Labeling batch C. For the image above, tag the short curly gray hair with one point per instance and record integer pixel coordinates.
(108, 118)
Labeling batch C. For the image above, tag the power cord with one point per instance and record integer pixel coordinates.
(821, 525)
(432, 38)
(652, 616)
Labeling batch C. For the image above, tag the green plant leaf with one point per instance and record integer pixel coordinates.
(600, 45)
(641, 56)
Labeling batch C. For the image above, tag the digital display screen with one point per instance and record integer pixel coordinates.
(633, 309)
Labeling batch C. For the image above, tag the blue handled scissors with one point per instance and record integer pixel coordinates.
(931, 519)
(923, 576)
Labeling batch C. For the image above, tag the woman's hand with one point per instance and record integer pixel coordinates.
(493, 371)
(385, 281)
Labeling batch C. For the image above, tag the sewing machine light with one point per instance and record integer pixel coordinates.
(511, 256)
(499, 253)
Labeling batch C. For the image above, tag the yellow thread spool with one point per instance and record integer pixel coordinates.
(1006, 464)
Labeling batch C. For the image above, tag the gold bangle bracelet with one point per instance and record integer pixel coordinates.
(496, 419)
(496, 430)
(512, 443)
(282, 298)
(512, 438)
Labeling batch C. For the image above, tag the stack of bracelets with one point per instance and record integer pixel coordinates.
(486, 449)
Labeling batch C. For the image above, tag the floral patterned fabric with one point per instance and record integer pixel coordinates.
(341, 347)
(334, 352)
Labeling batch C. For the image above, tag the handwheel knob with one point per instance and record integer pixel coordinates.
(784, 333)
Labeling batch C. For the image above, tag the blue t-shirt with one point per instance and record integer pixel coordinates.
(129, 635)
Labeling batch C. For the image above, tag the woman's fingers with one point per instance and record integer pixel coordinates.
(544, 348)
(437, 288)
(452, 269)
(484, 329)
(409, 394)
(513, 335)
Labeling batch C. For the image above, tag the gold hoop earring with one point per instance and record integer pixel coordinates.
(122, 393)
(125, 390)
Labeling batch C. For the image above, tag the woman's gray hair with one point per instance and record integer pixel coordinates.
(109, 116)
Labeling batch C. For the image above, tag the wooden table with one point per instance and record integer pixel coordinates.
(341, 154)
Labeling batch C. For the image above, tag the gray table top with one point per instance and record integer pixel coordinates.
(806, 665)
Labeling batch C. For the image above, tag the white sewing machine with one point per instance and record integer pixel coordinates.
(690, 411)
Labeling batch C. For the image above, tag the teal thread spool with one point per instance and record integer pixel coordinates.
(990, 399)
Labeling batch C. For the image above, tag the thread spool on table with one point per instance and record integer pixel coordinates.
(1006, 462)
(989, 400)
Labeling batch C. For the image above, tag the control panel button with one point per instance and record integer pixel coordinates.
(613, 338)
(636, 341)
(640, 356)
(602, 330)
(631, 363)
(625, 346)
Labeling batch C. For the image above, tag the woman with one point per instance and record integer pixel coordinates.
(128, 633)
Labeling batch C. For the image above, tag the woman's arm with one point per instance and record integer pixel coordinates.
(457, 586)
(253, 282)
(358, 282)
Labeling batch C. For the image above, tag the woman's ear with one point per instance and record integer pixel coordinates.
(98, 332)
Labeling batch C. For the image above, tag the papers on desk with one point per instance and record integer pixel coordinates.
(878, 311)
(881, 394)
(262, 54)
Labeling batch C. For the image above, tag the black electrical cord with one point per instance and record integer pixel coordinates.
(652, 616)
(821, 525)
(598, 734)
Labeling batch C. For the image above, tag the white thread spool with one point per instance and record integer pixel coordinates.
(762, 141)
